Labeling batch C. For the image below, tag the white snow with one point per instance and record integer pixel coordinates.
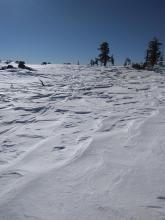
(89, 145)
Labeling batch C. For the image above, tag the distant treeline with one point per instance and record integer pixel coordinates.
(153, 56)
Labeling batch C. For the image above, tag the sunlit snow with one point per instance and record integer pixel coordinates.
(89, 145)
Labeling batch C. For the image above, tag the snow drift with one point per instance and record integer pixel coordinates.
(88, 145)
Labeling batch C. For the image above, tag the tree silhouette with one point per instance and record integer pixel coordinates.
(127, 62)
(112, 60)
(92, 62)
(96, 62)
(104, 55)
(153, 53)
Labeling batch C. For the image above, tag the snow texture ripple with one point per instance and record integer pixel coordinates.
(86, 145)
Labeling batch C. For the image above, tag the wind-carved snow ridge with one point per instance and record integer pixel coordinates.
(86, 144)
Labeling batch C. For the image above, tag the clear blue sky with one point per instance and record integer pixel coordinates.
(69, 30)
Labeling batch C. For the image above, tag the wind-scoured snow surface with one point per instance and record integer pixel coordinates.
(89, 145)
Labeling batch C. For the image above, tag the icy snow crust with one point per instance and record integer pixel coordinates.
(89, 145)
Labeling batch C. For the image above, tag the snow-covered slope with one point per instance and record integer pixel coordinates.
(88, 145)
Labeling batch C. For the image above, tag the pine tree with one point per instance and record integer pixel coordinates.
(96, 61)
(153, 53)
(112, 60)
(104, 55)
(92, 62)
(127, 62)
(147, 58)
